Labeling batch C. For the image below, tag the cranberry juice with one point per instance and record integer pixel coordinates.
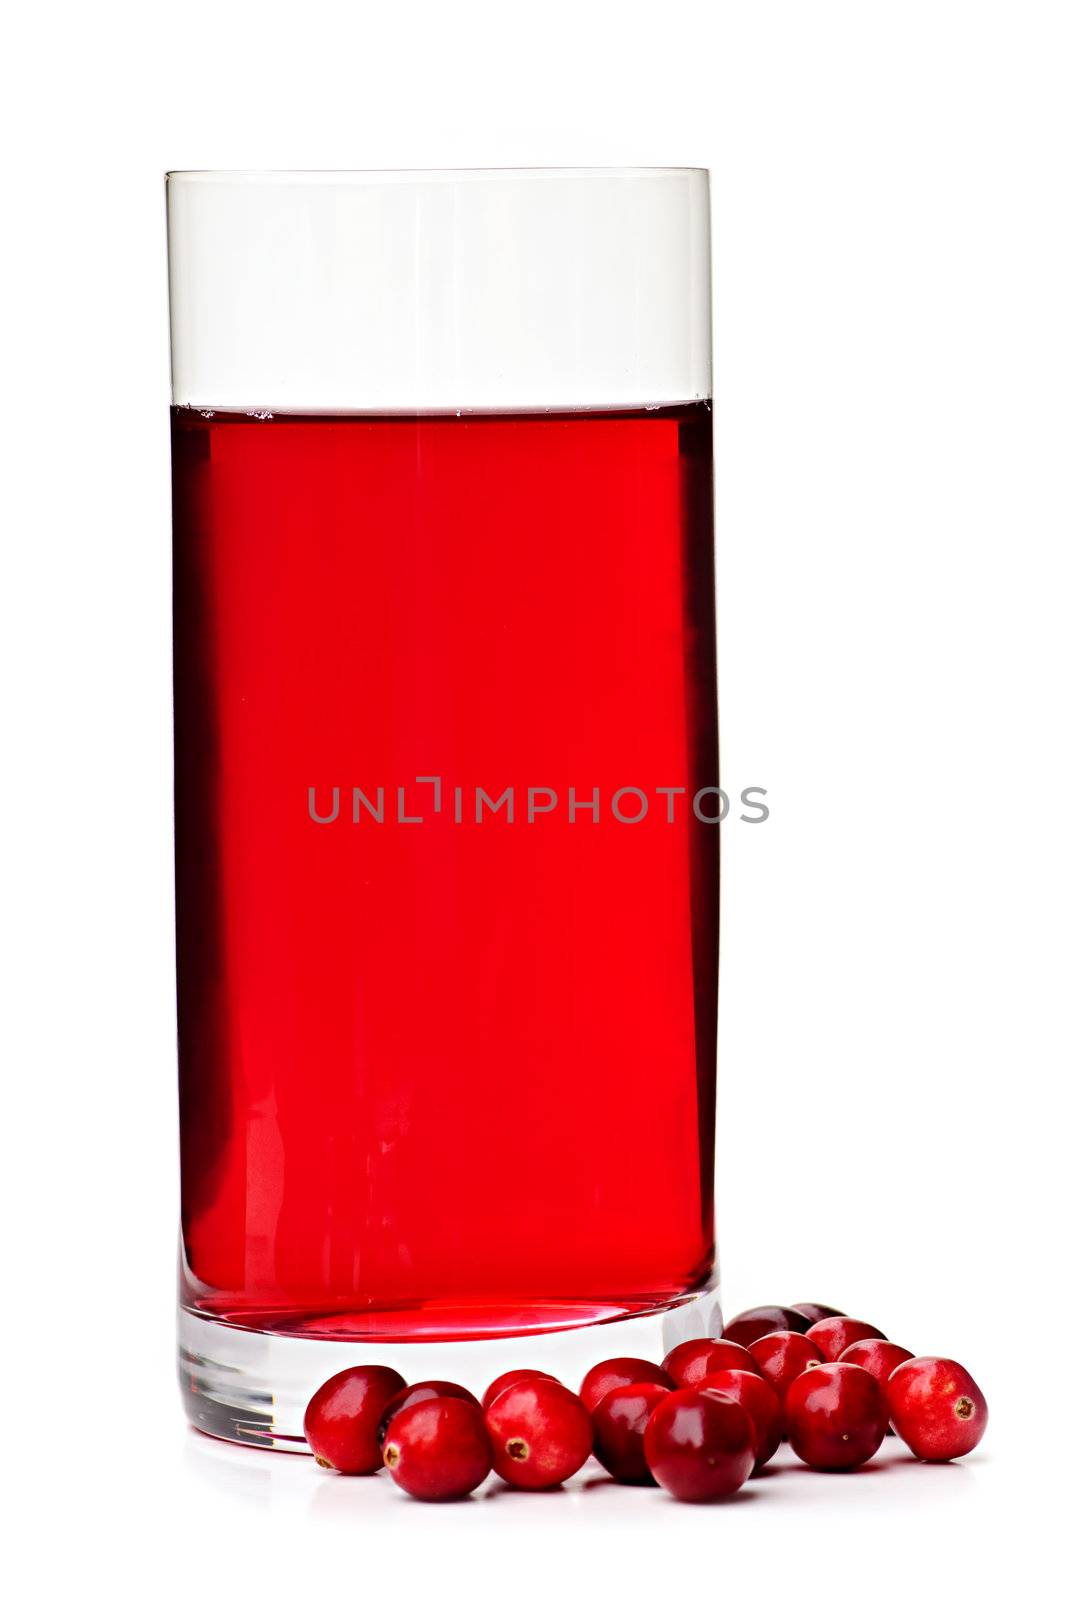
(446, 1027)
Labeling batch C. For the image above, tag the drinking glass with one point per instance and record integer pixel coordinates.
(445, 737)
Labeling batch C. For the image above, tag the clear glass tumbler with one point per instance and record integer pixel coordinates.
(445, 737)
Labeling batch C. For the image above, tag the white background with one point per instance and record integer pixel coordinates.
(891, 373)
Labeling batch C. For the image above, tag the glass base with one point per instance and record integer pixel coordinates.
(252, 1388)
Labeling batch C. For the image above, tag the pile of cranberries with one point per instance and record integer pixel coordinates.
(699, 1424)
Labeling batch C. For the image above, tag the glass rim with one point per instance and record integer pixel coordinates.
(386, 175)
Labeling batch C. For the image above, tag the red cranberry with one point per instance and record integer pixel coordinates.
(936, 1407)
(507, 1379)
(761, 1404)
(834, 1334)
(699, 1445)
(754, 1324)
(541, 1433)
(342, 1419)
(782, 1356)
(812, 1312)
(615, 1373)
(438, 1449)
(836, 1416)
(620, 1418)
(688, 1365)
(878, 1356)
(416, 1393)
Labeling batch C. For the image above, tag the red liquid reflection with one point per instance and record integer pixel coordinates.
(443, 1076)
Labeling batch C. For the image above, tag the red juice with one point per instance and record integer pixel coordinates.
(453, 1076)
